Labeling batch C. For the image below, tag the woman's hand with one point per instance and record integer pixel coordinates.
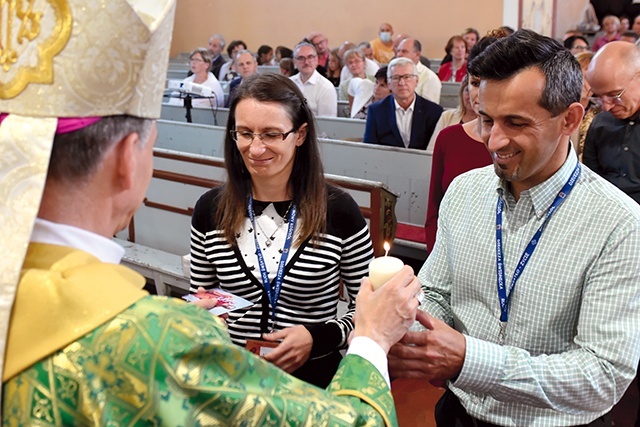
(294, 349)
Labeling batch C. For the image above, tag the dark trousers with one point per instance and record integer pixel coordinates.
(451, 413)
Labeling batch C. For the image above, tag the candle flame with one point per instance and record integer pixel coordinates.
(387, 248)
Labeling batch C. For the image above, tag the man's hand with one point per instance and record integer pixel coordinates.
(293, 351)
(386, 314)
(436, 354)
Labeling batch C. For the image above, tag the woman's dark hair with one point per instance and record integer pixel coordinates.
(233, 45)
(285, 52)
(568, 43)
(451, 41)
(306, 182)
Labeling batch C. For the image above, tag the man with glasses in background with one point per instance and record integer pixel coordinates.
(321, 43)
(612, 146)
(404, 118)
(320, 93)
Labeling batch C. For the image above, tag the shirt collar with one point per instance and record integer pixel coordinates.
(543, 194)
(312, 80)
(410, 108)
(106, 250)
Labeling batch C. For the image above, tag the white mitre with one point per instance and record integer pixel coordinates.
(66, 58)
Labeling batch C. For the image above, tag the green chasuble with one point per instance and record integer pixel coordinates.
(161, 362)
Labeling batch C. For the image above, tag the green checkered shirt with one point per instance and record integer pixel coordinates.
(573, 336)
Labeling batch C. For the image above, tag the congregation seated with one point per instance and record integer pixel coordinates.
(629, 36)
(370, 66)
(383, 44)
(265, 55)
(246, 63)
(321, 43)
(216, 46)
(471, 37)
(611, 27)
(334, 67)
(576, 44)
(429, 85)
(404, 118)
(200, 64)
(366, 48)
(286, 67)
(363, 92)
(458, 148)
(228, 70)
(320, 93)
(456, 69)
(354, 59)
(283, 52)
(463, 113)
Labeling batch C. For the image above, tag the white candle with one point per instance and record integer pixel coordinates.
(384, 268)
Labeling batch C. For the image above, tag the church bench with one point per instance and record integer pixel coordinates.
(327, 127)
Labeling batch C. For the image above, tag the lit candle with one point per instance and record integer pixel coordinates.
(384, 268)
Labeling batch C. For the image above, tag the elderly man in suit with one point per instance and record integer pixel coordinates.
(404, 118)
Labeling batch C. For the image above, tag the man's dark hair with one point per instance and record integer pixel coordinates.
(417, 46)
(382, 73)
(76, 155)
(527, 49)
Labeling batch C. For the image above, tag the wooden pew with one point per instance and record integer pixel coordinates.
(327, 127)
(160, 228)
(405, 172)
(449, 95)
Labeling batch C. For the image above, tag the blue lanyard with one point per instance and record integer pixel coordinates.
(273, 292)
(526, 256)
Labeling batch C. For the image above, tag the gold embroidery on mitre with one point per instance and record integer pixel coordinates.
(32, 33)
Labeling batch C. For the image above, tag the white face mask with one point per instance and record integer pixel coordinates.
(385, 36)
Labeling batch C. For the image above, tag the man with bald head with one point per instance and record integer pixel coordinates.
(429, 85)
(383, 44)
(612, 146)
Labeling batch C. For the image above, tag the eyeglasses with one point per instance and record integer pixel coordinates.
(305, 58)
(580, 48)
(267, 138)
(600, 100)
(195, 60)
(606, 99)
(319, 42)
(404, 77)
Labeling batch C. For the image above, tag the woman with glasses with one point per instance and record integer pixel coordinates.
(199, 63)
(279, 236)
(576, 44)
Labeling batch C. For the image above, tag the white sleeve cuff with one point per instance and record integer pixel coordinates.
(368, 349)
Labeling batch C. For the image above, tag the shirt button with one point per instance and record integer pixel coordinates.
(624, 174)
(626, 148)
(631, 123)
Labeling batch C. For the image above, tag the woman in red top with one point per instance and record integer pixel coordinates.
(456, 69)
(459, 148)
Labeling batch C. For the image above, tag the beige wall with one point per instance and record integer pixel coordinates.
(282, 22)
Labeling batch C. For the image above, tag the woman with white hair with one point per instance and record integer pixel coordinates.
(611, 27)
